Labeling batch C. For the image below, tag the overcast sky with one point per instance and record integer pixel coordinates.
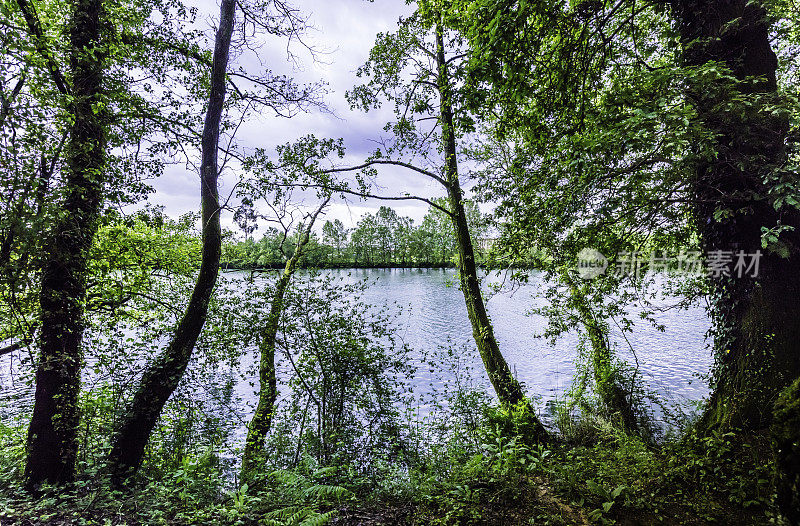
(344, 31)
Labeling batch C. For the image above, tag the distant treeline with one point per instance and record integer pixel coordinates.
(381, 240)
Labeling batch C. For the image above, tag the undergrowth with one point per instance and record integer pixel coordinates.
(486, 478)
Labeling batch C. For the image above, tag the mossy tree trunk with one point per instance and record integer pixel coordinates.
(161, 378)
(607, 378)
(786, 440)
(508, 389)
(52, 435)
(756, 319)
(261, 422)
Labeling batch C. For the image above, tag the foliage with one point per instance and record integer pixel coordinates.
(583, 124)
(382, 239)
(467, 469)
(346, 372)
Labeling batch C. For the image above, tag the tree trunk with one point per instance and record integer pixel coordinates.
(756, 319)
(52, 435)
(268, 384)
(162, 377)
(786, 441)
(607, 378)
(508, 389)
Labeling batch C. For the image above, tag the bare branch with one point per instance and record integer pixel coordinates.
(366, 195)
(11, 348)
(390, 162)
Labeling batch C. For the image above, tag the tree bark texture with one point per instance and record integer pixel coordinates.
(162, 377)
(508, 389)
(52, 436)
(756, 319)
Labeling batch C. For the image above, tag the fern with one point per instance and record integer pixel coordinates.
(297, 516)
(318, 519)
(324, 472)
(285, 477)
(283, 514)
(325, 492)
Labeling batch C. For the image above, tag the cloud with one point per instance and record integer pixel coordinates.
(343, 33)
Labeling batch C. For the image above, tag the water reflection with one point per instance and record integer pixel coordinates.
(433, 315)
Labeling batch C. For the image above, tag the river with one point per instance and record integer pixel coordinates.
(433, 315)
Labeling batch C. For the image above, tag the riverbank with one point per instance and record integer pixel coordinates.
(339, 266)
(597, 475)
(379, 266)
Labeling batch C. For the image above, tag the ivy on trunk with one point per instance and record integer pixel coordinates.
(161, 378)
(52, 435)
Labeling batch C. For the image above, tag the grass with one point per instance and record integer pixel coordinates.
(599, 476)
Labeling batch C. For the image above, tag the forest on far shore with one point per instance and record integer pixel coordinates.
(383, 239)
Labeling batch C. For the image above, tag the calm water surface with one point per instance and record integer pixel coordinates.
(434, 315)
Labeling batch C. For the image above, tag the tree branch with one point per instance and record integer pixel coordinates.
(11, 348)
(367, 195)
(8, 101)
(35, 28)
(390, 162)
